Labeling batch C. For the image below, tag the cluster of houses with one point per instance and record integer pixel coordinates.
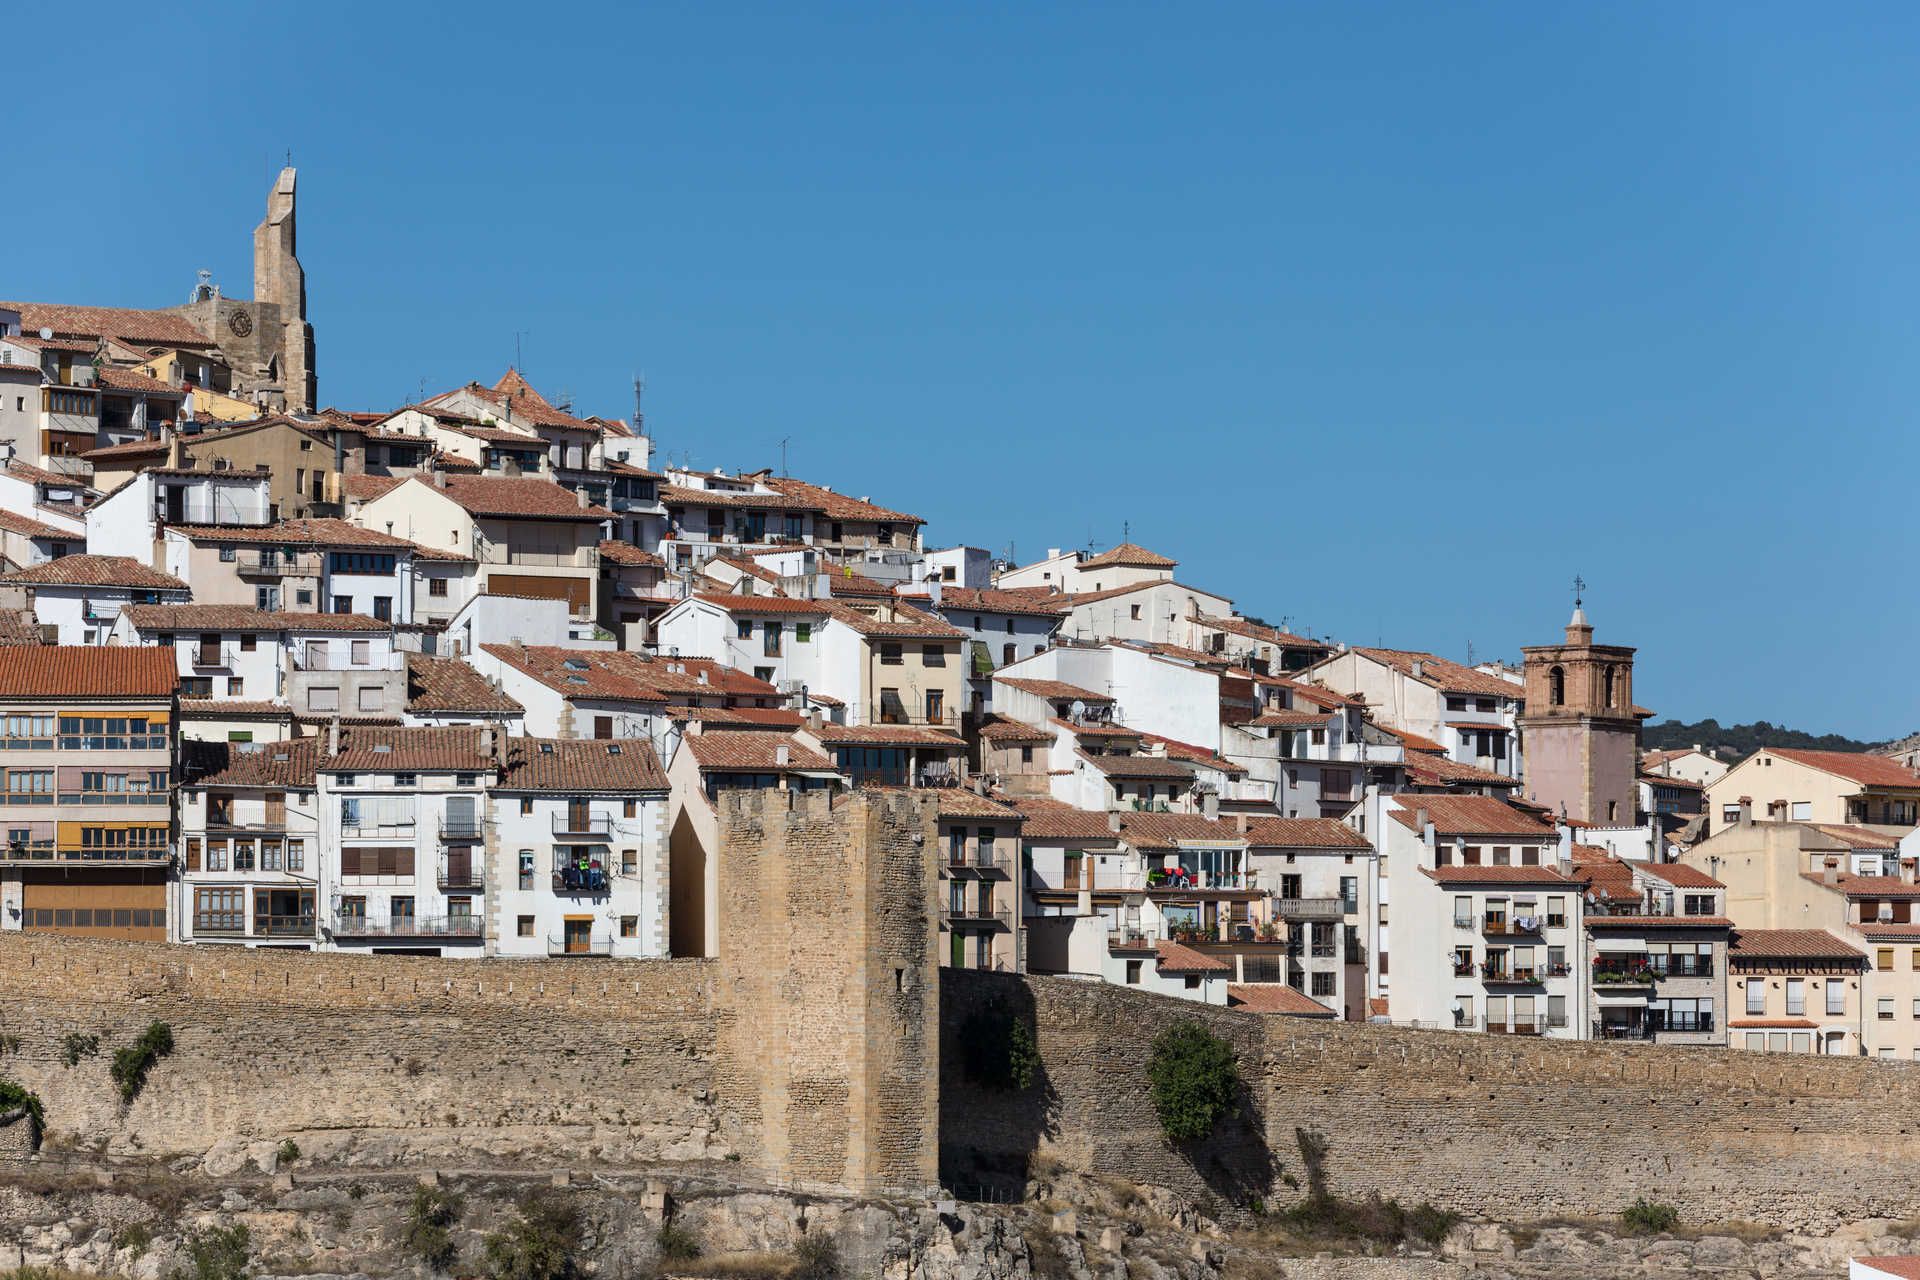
(469, 677)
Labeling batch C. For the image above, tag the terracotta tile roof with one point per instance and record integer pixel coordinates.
(498, 435)
(1377, 1006)
(1115, 731)
(674, 495)
(1049, 819)
(1053, 690)
(845, 582)
(331, 622)
(960, 802)
(1594, 921)
(1866, 769)
(892, 735)
(836, 506)
(116, 379)
(628, 556)
(1433, 767)
(19, 626)
(325, 532)
(751, 751)
(1778, 1024)
(1273, 997)
(1469, 816)
(1790, 944)
(49, 344)
(131, 450)
(1857, 837)
(39, 475)
(368, 487)
(1160, 831)
(224, 708)
(1173, 957)
(1874, 931)
(750, 717)
(250, 764)
(516, 498)
(1138, 766)
(988, 600)
(576, 765)
(750, 568)
(1905, 1267)
(1442, 674)
(95, 571)
(901, 621)
(14, 522)
(1200, 756)
(389, 750)
(1131, 554)
(1254, 631)
(628, 675)
(1288, 719)
(86, 671)
(1680, 875)
(739, 602)
(1304, 833)
(1867, 886)
(199, 617)
(1678, 784)
(1002, 729)
(450, 685)
(128, 326)
(515, 393)
(1078, 598)
(1544, 877)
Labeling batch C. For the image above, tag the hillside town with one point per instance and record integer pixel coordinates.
(470, 676)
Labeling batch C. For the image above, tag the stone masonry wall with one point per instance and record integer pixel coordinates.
(1509, 1129)
(373, 1060)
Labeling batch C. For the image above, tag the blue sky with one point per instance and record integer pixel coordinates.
(1385, 319)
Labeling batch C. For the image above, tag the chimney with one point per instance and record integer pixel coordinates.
(1420, 822)
(487, 741)
(582, 495)
(333, 736)
(439, 478)
(693, 729)
(782, 754)
(1697, 751)
(1830, 873)
(1746, 811)
(1113, 821)
(1419, 669)
(1240, 823)
(173, 452)
(1210, 806)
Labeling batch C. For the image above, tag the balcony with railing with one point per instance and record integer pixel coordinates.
(573, 880)
(455, 829)
(1511, 976)
(266, 566)
(1163, 881)
(562, 948)
(1518, 1026)
(1634, 975)
(41, 853)
(988, 862)
(596, 827)
(1132, 938)
(452, 926)
(1308, 908)
(1510, 926)
(975, 913)
(461, 874)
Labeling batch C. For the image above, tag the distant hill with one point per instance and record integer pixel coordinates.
(1735, 742)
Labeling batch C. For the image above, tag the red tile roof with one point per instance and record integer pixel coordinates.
(13, 522)
(740, 602)
(1442, 674)
(629, 675)
(1272, 997)
(1053, 690)
(1679, 875)
(87, 671)
(1468, 816)
(389, 750)
(250, 764)
(572, 766)
(517, 498)
(1254, 631)
(95, 571)
(1287, 719)
(1139, 766)
(128, 326)
(1173, 957)
(450, 685)
(322, 532)
(1777, 1024)
(1160, 831)
(1051, 820)
(1790, 944)
(836, 506)
(1003, 729)
(1905, 1267)
(629, 556)
(1200, 756)
(894, 621)
(1130, 554)
(1434, 768)
(751, 751)
(1867, 886)
(892, 735)
(1304, 833)
(960, 802)
(1867, 769)
(750, 717)
(1857, 837)
(988, 600)
(1544, 877)
(367, 487)
(116, 379)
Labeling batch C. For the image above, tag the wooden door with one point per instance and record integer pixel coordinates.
(276, 808)
(578, 935)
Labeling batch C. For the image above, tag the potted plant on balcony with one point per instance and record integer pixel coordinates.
(1156, 876)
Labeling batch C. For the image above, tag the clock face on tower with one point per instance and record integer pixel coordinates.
(241, 323)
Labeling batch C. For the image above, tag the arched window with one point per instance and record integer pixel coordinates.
(1557, 687)
(1606, 687)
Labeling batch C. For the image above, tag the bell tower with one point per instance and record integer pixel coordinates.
(281, 283)
(1581, 731)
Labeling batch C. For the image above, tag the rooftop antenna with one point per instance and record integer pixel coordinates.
(783, 455)
(639, 415)
(517, 335)
(1126, 531)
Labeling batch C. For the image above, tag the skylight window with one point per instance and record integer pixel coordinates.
(575, 664)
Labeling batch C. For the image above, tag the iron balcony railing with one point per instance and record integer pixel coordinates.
(586, 826)
(472, 876)
(1132, 938)
(461, 829)
(49, 854)
(974, 913)
(1309, 908)
(996, 863)
(563, 947)
(350, 926)
(1511, 925)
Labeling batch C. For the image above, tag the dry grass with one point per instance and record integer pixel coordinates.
(732, 1266)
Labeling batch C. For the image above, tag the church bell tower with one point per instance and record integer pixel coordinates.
(1580, 730)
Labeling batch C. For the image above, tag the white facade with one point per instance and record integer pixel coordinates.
(579, 875)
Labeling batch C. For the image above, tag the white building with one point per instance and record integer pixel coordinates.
(81, 596)
(249, 844)
(581, 867)
(1473, 714)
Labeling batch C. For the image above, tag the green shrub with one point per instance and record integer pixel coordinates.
(16, 1095)
(814, 1258)
(288, 1152)
(217, 1253)
(76, 1046)
(136, 1236)
(130, 1065)
(1645, 1217)
(1323, 1215)
(677, 1243)
(539, 1245)
(429, 1230)
(1195, 1081)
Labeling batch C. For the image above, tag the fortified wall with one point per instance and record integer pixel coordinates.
(1508, 1129)
(823, 1049)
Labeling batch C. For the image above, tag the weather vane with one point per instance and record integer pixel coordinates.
(1579, 588)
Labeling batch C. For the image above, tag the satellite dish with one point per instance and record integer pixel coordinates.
(1078, 710)
(46, 334)
(1457, 1008)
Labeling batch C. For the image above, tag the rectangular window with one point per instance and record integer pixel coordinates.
(1796, 997)
(1836, 996)
(523, 926)
(1886, 1008)
(362, 652)
(1757, 997)
(891, 654)
(933, 655)
(744, 629)
(629, 926)
(437, 587)
(1322, 984)
(1463, 912)
(802, 632)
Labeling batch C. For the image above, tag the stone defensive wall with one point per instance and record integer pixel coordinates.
(1509, 1129)
(824, 1049)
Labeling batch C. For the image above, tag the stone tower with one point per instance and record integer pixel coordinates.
(278, 282)
(1580, 732)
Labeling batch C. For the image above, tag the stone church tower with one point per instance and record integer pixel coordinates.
(1581, 732)
(266, 339)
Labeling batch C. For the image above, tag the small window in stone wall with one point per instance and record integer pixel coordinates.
(524, 926)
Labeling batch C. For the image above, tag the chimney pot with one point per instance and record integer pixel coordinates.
(582, 495)
(781, 755)
(1420, 821)
(1210, 805)
(1240, 823)
(1113, 821)
(439, 478)
(333, 736)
